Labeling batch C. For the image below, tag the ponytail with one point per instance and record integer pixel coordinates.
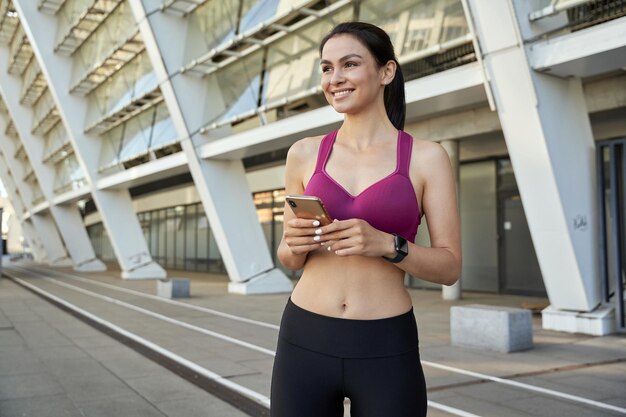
(395, 101)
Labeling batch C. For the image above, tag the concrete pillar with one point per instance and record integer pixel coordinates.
(548, 135)
(44, 238)
(66, 217)
(115, 206)
(15, 234)
(452, 292)
(221, 184)
(34, 242)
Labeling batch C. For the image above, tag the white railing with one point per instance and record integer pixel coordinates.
(82, 25)
(50, 6)
(20, 52)
(181, 7)
(256, 38)
(555, 7)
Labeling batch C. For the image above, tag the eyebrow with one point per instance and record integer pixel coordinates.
(345, 58)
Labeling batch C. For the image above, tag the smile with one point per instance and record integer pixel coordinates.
(341, 93)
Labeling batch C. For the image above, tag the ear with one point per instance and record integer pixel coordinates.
(388, 72)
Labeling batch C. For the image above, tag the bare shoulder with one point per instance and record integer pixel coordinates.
(428, 157)
(304, 149)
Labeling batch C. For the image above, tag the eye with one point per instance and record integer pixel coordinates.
(351, 64)
(326, 68)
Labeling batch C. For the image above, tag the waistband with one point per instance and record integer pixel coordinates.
(349, 338)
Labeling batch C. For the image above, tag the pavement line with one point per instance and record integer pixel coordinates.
(203, 371)
(247, 392)
(517, 384)
(529, 387)
(273, 353)
(450, 410)
(162, 317)
(164, 300)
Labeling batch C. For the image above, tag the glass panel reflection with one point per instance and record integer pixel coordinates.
(414, 26)
(68, 175)
(150, 130)
(256, 12)
(120, 25)
(239, 85)
(134, 80)
(216, 21)
(293, 62)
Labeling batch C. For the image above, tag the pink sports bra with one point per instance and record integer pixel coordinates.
(389, 204)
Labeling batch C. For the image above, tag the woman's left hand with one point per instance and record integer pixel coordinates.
(356, 237)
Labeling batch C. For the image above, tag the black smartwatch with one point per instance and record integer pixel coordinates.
(402, 249)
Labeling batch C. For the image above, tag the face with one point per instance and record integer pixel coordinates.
(351, 77)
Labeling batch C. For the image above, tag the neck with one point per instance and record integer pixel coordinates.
(362, 129)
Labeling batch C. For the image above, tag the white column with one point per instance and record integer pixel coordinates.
(452, 292)
(221, 184)
(18, 209)
(48, 246)
(548, 135)
(66, 217)
(36, 247)
(115, 206)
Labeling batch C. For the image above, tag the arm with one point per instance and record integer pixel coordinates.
(440, 263)
(297, 240)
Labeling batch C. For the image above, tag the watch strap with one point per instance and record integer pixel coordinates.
(401, 249)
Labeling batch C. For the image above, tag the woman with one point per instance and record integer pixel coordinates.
(348, 329)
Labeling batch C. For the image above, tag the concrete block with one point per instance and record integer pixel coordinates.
(270, 282)
(173, 288)
(599, 322)
(503, 329)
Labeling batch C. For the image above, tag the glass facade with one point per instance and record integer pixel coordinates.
(416, 26)
(130, 83)
(103, 42)
(132, 141)
(56, 140)
(282, 76)
(180, 237)
(68, 175)
(69, 14)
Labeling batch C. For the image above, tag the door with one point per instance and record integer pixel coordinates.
(519, 268)
(611, 169)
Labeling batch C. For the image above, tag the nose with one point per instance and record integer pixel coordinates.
(337, 77)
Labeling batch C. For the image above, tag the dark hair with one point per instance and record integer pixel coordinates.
(377, 41)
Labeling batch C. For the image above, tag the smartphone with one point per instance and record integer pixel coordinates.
(309, 207)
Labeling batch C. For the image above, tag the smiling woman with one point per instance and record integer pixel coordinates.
(348, 329)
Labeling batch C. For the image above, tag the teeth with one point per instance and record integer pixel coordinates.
(342, 93)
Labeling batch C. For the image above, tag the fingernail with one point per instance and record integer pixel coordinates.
(318, 232)
(328, 248)
(322, 243)
(316, 223)
(317, 238)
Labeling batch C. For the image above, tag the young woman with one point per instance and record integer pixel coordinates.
(348, 329)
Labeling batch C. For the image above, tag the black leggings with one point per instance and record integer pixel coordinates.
(321, 359)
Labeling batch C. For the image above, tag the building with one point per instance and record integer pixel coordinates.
(153, 134)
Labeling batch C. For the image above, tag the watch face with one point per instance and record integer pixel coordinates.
(402, 245)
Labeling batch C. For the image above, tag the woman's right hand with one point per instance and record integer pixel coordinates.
(300, 236)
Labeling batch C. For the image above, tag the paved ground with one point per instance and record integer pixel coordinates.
(53, 364)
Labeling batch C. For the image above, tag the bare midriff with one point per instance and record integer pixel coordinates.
(351, 287)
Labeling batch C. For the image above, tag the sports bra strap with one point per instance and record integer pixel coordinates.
(324, 150)
(405, 145)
